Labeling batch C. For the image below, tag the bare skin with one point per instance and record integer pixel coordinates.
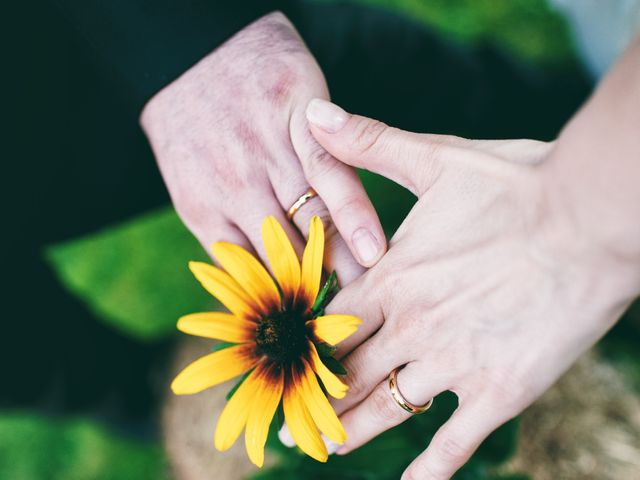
(233, 145)
(518, 256)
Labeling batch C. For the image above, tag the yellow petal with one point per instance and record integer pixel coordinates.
(213, 369)
(332, 384)
(282, 257)
(224, 288)
(234, 416)
(218, 325)
(321, 411)
(264, 406)
(301, 425)
(333, 329)
(312, 262)
(248, 272)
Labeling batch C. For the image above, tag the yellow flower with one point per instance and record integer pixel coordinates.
(275, 331)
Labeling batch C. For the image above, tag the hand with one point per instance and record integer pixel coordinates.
(233, 144)
(489, 288)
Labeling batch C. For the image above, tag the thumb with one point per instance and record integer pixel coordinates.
(409, 159)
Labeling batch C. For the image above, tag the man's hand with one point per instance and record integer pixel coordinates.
(489, 289)
(233, 145)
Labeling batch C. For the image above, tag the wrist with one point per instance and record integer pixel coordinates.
(595, 172)
(600, 240)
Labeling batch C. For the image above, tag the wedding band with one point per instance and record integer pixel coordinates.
(400, 400)
(304, 198)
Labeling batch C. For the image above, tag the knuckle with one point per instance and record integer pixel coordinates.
(441, 147)
(368, 135)
(192, 212)
(319, 164)
(508, 384)
(452, 451)
(355, 379)
(350, 206)
(433, 149)
(429, 164)
(383, 406)
(509, 390)
(404, 333)
(407, 325)
(316, 208)
(390, 282)
(421, 471)
(331, 234)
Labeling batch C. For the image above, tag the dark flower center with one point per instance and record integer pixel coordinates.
(282, 336)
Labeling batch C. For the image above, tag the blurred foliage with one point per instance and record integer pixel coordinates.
(391, 201)
(386, 457)
(530, 29)
(135, 276)
(620, 346)
(35, 447)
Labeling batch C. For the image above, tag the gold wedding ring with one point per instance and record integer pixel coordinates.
(304, 198)
(400, 400)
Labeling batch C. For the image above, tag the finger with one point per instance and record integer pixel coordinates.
(249, 219)
(379, 411)
(367, 366)
(455, 442)
(410, 159)
(285, 436)
(287, 440)
(218, 229)
(342, 192)
(357, 299)
(337, 255)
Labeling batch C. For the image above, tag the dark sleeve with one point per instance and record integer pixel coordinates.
(149, 43)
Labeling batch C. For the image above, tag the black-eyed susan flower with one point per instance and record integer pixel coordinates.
(277, 335)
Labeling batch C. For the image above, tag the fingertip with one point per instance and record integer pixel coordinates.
(332, 447)
(326, 116)
(368, 247)
(285, 437)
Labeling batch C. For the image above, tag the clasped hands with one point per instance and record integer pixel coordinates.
(491, 287)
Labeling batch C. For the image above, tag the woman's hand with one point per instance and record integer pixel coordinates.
(490, 288)
(233, 144)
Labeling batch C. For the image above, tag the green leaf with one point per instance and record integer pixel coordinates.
(222, 345)
(134, 276)
(334, 365)
(325, 294)
(237, 385)
(33, 446)
(526, 29)
(325, 350)
(386, 456)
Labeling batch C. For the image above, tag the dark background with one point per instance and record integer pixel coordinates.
(77, 162)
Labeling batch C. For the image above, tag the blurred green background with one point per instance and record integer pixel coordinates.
(134, 277)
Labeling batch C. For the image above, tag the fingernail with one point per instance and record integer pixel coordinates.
(332, 447)
(342, 450)
(366, 245)
(285, 437)
(326, 115)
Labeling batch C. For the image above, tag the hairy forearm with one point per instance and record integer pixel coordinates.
(596, 163)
